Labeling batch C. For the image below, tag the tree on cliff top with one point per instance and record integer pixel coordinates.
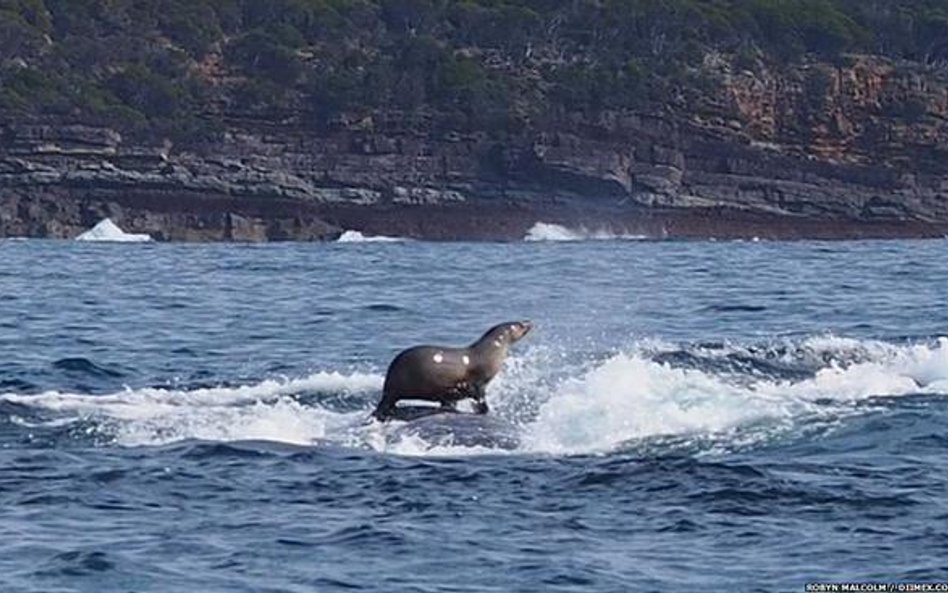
(181, 66)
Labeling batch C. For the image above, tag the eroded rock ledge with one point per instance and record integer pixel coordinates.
(659, 175)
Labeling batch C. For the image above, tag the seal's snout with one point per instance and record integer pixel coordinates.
(521, 328)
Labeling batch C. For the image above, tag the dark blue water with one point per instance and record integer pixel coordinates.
(739, 416)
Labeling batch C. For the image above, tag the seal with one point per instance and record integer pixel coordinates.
(448, 375)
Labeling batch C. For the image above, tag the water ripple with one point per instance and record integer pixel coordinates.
(685, 416)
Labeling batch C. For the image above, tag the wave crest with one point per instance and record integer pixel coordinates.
(357, 237)
(545, 231)
(707, 397)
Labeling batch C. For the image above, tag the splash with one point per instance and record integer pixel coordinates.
(630, 396)
(357, 237)
(108, 231)
(544, 231)
(298, 411)
(706, 398)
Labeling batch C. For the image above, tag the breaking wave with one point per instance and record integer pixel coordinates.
(545, 231)
(357, 237)
(107, 231)
(702, 398)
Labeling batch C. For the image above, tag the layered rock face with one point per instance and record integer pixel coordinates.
(817, 151)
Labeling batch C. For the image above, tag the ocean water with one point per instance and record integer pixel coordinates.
(685, 416)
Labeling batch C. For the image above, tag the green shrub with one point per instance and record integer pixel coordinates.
(144, 91)
(466, 63)
(260, 53)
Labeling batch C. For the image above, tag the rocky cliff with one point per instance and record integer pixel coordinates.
(856, 146)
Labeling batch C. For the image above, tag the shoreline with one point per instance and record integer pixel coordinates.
(170, 217)
(514, 223)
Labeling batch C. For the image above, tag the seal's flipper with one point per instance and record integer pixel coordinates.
(385, 409)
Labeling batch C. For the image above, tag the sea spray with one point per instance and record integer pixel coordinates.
(545, 231)
(358, 237)
(597, 405)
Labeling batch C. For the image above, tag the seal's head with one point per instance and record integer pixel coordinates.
(504, 334)
(517, 330)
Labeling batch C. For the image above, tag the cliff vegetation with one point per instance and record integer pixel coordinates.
(283, 119)
(182, 67)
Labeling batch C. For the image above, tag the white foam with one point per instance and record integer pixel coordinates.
(882, 370)
(357, 237)
(262, 411)
(108, 231)
(545, 231)
(586, 407)
(630, 397)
